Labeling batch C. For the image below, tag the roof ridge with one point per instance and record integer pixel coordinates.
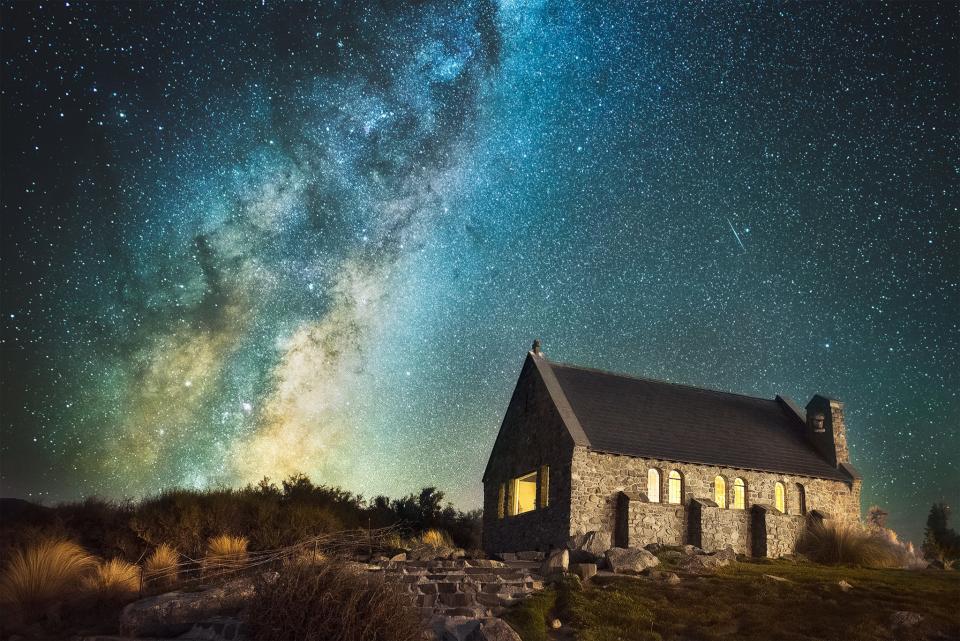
(648, 379)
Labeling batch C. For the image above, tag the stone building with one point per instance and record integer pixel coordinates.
(643, 461)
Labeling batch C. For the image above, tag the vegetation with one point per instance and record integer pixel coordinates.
(741, 603)
(435, 539)
(225, 552)
(330, 601)
(940, 542)
(113, 579)
(38, 575)
(833, 542)
(162, 566)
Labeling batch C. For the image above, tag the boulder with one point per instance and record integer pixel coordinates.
(690, 550)
(530, 555)
(174, 613)
(671, 578)
(654, 547)
(701, 564)
(905, 619)
(493, 630)
(843, 585)
(555, 624)
(556, 561)
(402, 556)
(453, 628)
(630, 560)
(584, 570)
(726, 554)
(589, 547)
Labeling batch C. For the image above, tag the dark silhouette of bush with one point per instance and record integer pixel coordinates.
(331, 601)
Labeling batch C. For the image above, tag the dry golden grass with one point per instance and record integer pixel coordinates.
(162, 564)
(833, 542)
(113, 578)
(436, 538)
(225, 552)
(48, 571)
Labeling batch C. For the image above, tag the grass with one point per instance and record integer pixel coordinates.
(48, 571)
(113, 579)
(834, 542)
(225, 552)
(162, 565)
(436, 539)
(740, 604)
(329, 601)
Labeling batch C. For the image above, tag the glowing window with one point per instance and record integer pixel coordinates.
(524, 494)
(739, 494)
(544, 485)
(720, 492)
(779, 501)
(801, 499)
(675, 487)
(653, 485)
(501, 500)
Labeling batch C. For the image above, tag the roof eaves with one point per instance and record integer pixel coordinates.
(563, 406)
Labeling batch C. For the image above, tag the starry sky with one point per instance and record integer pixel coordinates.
(249, 239)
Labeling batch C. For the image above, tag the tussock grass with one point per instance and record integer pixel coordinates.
(836, 542)
(225, 552)
(435, 538)
(47, 571)
(162, 565)
(330, 601)
(113, 579)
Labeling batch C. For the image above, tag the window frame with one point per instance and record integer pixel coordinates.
(741, 483)
(675, 475)
(802, 498)
(658, 485)
(781, 489)
(720, 490)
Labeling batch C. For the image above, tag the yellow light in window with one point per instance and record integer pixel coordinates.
(653, 485)
(720, 492)
(739, 494)
(675, 487)
(525, 493)
(779, 500)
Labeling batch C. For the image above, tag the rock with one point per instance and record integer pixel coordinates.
(174, 613)
(402, 556)
(654, 547)
(555, 624)
(671, 554)
(584, 570)
(557, 561)
(589, 547)
(726, 554)
(507, 556)
(701, 564)
(671, 578)
(774, 577)
(844, 585)
(690, 550)
(493, 630)
(453, 628)
(530, 555)
(905, 619)
(630, 560)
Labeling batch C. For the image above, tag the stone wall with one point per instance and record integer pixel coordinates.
(643, 523)
(717, 528)
(532, 435)
(774, 534)
(598, 479)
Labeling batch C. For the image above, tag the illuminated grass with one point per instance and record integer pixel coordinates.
(45, 572)
(162, 565)
(225, 552)
(113, 579)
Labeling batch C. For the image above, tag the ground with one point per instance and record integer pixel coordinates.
(741, 603)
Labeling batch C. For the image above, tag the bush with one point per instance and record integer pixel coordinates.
(436, 539)
(331, 602)
(46, 572)
(225, 552)
(831, 542)
(113, 579)
(162, 565)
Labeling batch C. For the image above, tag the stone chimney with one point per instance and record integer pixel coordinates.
(827, 430)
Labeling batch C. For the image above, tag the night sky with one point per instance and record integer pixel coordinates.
(254, 239)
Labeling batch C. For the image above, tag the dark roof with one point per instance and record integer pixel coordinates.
(655, 419)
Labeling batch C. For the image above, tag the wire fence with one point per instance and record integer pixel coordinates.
(219, 565)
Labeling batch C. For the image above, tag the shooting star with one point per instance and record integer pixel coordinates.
(736, 235)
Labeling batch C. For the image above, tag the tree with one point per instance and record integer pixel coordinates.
(940, 542)
(877, 517)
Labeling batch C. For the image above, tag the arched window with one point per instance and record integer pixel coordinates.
(720, 492)
(675, 487)
(801, 498)
(779, 500)
(739, 494)
(653, 485)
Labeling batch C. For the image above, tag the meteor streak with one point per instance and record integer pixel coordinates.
(736, 235)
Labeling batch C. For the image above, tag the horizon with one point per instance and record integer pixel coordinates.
(252, 240)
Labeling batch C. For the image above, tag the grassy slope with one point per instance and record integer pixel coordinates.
(741, 604)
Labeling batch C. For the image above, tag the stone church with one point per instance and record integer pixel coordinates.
(643, 461)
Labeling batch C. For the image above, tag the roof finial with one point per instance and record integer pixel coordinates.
(536, 347)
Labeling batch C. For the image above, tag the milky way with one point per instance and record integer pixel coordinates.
(248, 240)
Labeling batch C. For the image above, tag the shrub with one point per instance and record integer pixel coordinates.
(162, 565)
(114, 579)
(436, 539)
(225, 552)
(45, 572)
(833, 542)
(329, 601)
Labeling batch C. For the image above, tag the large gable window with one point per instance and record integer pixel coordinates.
(653, 485)
(523, 494)
(720, 492)
(674, 487)
(739, 494)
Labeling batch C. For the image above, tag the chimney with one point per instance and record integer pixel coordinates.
(827, 430)
(536, 347)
